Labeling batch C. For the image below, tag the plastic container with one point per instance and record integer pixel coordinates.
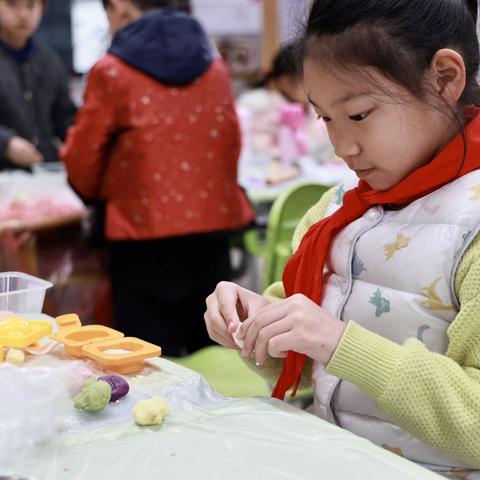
(22, 293)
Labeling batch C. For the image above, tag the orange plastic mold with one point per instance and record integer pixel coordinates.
(74, 337)
(106, 355)
(106, 346)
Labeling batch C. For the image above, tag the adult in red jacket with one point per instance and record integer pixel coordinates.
(158, 140)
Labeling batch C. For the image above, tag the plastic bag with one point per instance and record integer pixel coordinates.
(31, 402)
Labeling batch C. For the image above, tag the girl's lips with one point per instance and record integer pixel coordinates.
(364, 173)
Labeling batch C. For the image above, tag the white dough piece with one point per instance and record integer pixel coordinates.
(240, 343)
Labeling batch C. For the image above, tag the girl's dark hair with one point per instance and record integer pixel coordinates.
(285, 63)
(398, 37)
(182, 5)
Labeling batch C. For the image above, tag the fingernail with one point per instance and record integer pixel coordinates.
(258, 364)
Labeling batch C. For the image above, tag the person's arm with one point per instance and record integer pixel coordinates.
(434, 397)
(272, 368)
(86, 148)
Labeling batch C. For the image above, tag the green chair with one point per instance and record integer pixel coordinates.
(287, 210)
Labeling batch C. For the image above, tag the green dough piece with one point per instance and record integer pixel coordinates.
(150, 412)
(94, 396)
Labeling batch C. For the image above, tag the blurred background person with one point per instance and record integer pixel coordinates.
(261, 107)
(158, 140)
(36, 108)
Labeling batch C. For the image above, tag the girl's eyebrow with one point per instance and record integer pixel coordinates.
(343, 99)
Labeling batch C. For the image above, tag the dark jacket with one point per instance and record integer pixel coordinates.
(34, 100)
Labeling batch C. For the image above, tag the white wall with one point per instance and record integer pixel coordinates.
(293, 14)
(90, 37)
(229, 17)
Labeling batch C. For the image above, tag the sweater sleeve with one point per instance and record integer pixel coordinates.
(434, 397)
(273, 367)
(86, 148)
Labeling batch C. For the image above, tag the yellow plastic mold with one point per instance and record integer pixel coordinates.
(20, 333)
(104, 353)
(106, 346)
(74, 337)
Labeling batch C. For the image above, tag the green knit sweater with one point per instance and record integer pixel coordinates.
(434, 397)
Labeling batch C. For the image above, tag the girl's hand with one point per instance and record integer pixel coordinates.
(296, 324)
(227, 307)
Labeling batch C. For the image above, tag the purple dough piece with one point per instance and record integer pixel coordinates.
(119, 386)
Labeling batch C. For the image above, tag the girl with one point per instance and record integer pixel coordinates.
(383, 295)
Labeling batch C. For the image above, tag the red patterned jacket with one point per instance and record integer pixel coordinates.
(164, 158)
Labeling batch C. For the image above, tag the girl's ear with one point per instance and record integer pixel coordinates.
(448, 73)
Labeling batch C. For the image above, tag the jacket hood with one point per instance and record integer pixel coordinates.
(170, 46)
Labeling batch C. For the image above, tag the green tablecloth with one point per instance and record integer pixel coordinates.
(207, 436)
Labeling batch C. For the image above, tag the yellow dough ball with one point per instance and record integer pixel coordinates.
(151, 411)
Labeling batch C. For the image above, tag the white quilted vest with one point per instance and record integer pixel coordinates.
(393, 272)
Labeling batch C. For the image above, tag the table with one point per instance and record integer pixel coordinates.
(31, 204)
(253, 172)
(211, 437)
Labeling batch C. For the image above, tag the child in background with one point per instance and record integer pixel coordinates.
(35, 106)
(158, 140)
(263, 106)
(380, 304)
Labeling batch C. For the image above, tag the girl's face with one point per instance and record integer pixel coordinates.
(19, 19)
(378, 128)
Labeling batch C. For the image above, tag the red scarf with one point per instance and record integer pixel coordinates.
(304, 271)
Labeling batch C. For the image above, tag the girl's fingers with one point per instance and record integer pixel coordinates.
(216, 325)
(280, 345)
(227, 298)
(245, 326)
(268, 334)
(252, 326)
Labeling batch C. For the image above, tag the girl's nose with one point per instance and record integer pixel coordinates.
(347, 147)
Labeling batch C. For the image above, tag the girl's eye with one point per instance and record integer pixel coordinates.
(359, 117)
(325, 119)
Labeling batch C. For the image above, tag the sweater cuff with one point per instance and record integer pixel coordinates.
(365, 359)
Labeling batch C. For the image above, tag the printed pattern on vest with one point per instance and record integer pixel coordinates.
(392, 272)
